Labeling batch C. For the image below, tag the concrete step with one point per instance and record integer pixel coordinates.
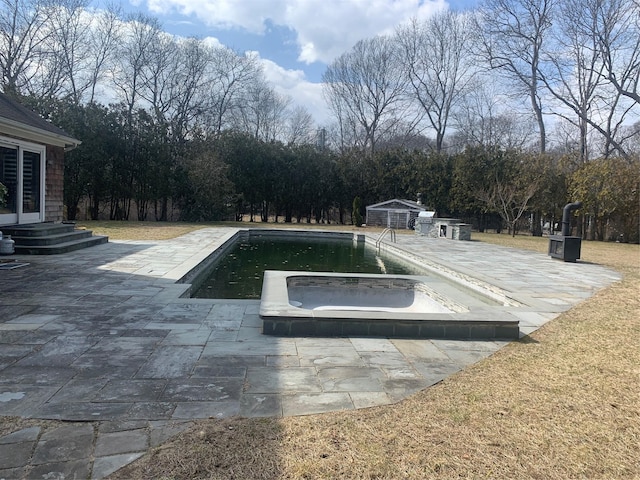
(63, 247)
(50, 238)
(37, 229)
(53, 239)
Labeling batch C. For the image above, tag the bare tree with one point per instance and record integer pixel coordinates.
(508, 190)
(262, 112)
(616, 27)
(191, 87)
(299, 126)
(139, 37)
(633, 133)
(230, 74)
(514, 36)
(159, 76)
(344, 132)
(486, 117)
(439, 65)
(23, 37)
(575, 73)
(55, 49)
(67, 50)
(510, 200)
(103, 39)
(365, 89)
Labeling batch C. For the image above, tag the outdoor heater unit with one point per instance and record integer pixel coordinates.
(565, 246)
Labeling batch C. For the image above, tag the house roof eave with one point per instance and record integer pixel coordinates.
(35, 134)
(409, 204)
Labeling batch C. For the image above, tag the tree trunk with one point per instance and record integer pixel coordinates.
(536, 228)
(164, 210)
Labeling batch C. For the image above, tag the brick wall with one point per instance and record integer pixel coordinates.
(54, 197)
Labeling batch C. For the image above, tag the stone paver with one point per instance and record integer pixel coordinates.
(103, 338)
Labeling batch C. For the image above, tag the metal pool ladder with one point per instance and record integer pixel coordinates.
(392, 235)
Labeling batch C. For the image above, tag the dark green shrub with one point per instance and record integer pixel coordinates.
(356, 216)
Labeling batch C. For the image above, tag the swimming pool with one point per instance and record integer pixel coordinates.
(238, 274)
(425, 300)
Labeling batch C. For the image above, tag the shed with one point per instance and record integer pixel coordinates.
(396, 213)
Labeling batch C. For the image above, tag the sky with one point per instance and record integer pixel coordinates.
(295, 39)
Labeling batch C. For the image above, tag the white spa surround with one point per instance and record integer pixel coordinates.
(339, 304)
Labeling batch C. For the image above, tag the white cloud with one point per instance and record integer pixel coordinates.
(324, 28)
(212, 42)
(294, 84)
(249, 15)
(327, 29)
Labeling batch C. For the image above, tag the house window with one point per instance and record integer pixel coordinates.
(31, 182)
(9, 178)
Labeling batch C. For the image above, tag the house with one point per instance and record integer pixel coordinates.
(31, 165)
(32, 177)
(395, 213)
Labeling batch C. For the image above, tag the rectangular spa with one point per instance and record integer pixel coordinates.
(402, 306)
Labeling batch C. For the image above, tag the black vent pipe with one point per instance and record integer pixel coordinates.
(566, 217)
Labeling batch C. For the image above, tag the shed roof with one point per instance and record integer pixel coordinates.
(410, 204)
(17, 120)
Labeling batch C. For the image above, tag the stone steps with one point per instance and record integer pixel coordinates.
(51, 238)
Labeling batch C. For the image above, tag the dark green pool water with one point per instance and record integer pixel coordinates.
(239, 274)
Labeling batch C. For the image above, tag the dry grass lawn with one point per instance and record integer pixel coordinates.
(562, 403)
(166, 230)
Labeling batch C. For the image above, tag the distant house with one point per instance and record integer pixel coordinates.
(394, 213)
(31, 165)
